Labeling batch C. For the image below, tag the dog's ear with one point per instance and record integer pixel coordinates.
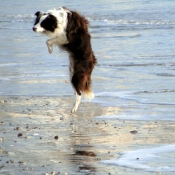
(38, 13)
(67, 10)
(38, 16)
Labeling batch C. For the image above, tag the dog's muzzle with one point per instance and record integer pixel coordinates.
(34, 29)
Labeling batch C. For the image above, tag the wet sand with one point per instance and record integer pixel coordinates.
(39, 135)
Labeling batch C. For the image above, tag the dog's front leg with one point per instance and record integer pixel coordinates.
(49, 43)
(77, 103)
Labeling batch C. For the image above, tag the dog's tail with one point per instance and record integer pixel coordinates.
(86, 90)
(88, 94)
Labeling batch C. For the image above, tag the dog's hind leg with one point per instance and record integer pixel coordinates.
(77, 103)
(76, 83)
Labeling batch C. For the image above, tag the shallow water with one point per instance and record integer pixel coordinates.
(146, 158)
(132, 40)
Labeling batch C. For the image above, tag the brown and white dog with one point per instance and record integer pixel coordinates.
(69, 30)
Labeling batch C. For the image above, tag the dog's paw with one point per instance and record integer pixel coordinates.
(50, 49)
(77, 103)
(74, 110)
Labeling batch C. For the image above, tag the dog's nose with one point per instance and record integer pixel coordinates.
(34, 29)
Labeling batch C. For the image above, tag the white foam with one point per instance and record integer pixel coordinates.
(110, 20)
(35, 134)
(18, 16)
(143, 158)
(4, 78)
(135, 117)
(125, 95)
(135, 96)
(9, 64)
(122, 94)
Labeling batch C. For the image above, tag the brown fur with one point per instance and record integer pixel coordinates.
(81, 54)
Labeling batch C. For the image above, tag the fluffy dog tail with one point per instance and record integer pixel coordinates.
(88, 94)
(86, 89)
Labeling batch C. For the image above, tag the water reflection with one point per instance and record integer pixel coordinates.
(83, 156)
(85, 153)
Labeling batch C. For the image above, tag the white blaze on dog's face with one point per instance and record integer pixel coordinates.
(50, 21)
(38, 23)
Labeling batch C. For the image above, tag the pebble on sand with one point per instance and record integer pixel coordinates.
(134, 132)
(56, 137)
(20, 135)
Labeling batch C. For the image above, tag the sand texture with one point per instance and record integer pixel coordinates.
(39, 135)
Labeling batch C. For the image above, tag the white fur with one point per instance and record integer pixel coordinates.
(61, 15)
(77, 103)
(58, 37)
(57, 40)
(88, 95)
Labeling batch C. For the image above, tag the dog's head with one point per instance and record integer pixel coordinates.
(50, 21)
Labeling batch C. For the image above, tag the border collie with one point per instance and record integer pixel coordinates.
(69, 30)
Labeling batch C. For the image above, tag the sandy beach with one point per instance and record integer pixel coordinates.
(39, 135)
